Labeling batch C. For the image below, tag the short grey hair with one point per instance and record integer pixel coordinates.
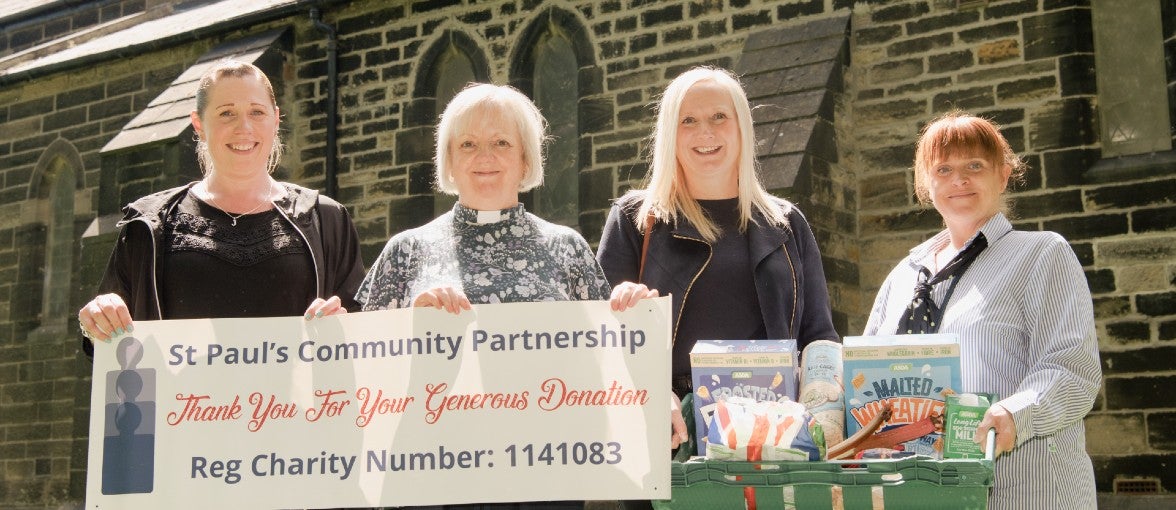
(512, 105)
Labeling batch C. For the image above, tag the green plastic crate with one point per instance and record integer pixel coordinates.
(913, 483)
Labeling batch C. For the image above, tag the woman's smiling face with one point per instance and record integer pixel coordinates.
(240, 124)
(966, 188)
(707, 142)
(487, 160)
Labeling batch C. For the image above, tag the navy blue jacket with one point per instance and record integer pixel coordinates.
(788, 273)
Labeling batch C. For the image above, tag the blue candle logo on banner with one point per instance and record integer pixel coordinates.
(128, 452)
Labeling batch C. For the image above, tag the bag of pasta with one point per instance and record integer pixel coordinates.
(744, 429)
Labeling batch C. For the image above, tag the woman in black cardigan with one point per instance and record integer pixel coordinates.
(739, 262)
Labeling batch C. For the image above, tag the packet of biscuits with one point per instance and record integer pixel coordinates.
(751, 430)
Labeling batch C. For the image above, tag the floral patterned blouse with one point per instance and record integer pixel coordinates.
(511, 256)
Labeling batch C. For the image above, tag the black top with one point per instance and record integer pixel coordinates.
(723, 304)
(211, 268)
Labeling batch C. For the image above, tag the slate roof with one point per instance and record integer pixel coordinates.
(184, 24)
(167, 116)
(791, 75)
(11, 10)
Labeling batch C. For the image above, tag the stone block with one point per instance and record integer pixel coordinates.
(1159, 431)
(920, 220)
(690, 53)
(966, 99)
(432, 5)
(990, 32)
(611, 50)
(699, 8)
(1062, 124)
(1143, 360)
(1058, 33)
(414, 145)
(989, 74)
(1027, 90)
(348, 63)
(639, 43)
(616, 153)
(920, 45)
(998, 51)
(947, 62)
(32, 143)
(81, 96)
(915, 88)
(896, 71)
(381, 56)
(1137, 250)
(1161, 219)
(1126, 333)
(1158, 192)
(898, 110)
(799, 9)
(1102, 281)
(884, 191)
(1167, 330)
(678, 34)
(33, 107)
(636, 79)
(602, 29)
(707, 29)
(952, 20)
(877, 35)
(900, 12)
(370, 20)
(596, 189)
(1143, 278)
(364, 41)
(1065, 167)
(745, 21)
(1048, 204)
(1088, 227)
(998, 10)
(1116, 434)
(479, 17)
(1140, 392)
(840, 271)
(1157, 304)
(370, 160)
(626, 24)
(1077, 75)
(655, 17)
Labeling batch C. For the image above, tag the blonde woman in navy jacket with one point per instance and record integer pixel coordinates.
(739, 262)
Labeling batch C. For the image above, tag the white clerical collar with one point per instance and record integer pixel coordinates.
(489, 217)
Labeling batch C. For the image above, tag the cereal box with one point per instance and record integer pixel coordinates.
(913, 373)
(762, 370)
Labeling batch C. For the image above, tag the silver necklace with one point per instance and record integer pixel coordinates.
(236, 217)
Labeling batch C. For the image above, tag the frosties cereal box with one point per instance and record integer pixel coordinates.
(914, 374)
(761, 370)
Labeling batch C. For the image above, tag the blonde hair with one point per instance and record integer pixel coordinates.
(512, 105)
(233, 69)
(666, 195)
(960, 133)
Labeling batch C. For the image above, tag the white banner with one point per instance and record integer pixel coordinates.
(507, 402)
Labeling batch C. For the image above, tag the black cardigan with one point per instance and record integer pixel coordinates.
(323, 223)
(788, 273)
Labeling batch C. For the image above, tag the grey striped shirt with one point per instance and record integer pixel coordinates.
(1025, 320)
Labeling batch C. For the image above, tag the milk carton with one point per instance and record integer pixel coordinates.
(913, 373)
(761, 370)
(964, 413)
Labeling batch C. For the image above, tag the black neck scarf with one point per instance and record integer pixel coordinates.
(922, 315)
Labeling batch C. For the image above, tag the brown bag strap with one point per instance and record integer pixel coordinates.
(649, 219)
